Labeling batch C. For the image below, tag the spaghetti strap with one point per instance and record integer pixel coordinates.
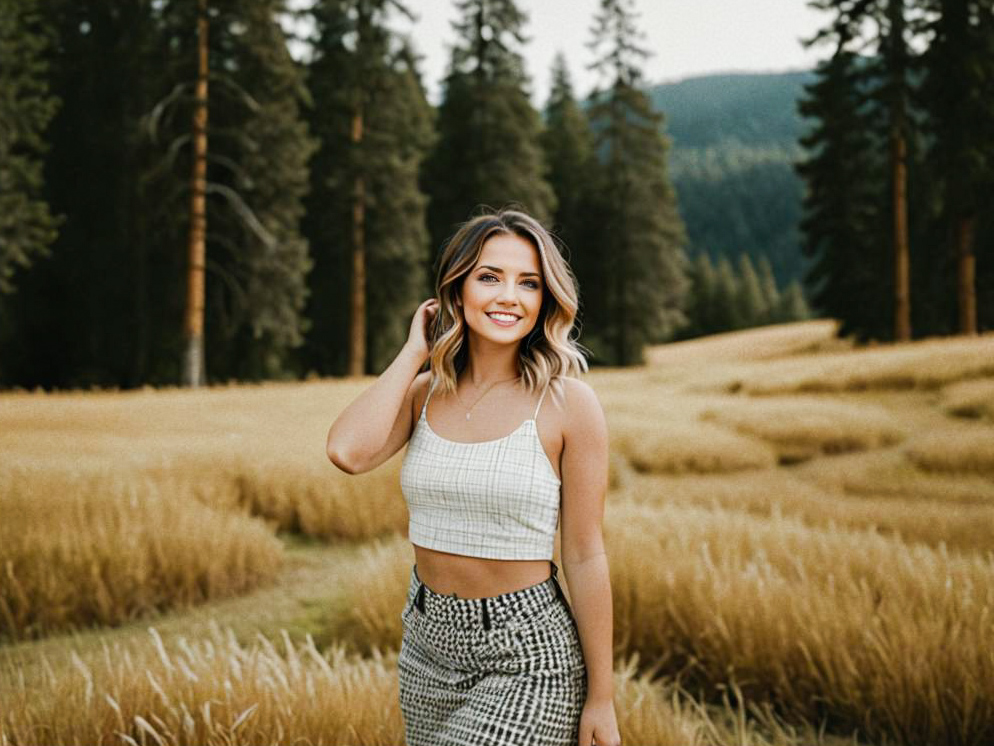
(424, 407)
(534, 416)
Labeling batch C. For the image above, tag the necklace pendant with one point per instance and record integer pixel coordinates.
(467, 415)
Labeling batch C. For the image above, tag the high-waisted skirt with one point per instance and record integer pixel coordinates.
(503, 670)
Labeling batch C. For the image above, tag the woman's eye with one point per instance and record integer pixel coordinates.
(530, 283)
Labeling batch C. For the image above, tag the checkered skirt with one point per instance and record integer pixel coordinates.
(503, 670)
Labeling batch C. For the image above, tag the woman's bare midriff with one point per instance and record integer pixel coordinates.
(476, 577)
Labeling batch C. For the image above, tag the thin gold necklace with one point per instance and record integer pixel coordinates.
(470, 410)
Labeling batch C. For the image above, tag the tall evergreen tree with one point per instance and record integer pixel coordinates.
(958, 94)
(768, 285)
(849, 278)
(567, 143)
(749, 301)
(889, 90)
(793, 306)
(27, 105)
(488, 150)
(83, 316)
(724, 313)
(895, 92)
(375, 63)
(257, 177)
(701, 298)
(640, 268)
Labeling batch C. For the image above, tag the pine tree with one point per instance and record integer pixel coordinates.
(377, 64)
(27, 226)
(895, 94)
(889, 91)
(793, 306)
(567, 143)
(726, 289)
(102, 69)
(488, 151)
(768, 285)
(700, 299)
(640, 268)
(850, 277)
(257, 177)
(958, 94)
(751, 308)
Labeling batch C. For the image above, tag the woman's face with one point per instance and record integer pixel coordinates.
(502, 294)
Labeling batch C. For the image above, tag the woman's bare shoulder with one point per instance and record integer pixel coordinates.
(581, 407)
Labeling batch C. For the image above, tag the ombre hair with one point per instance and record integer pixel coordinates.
(550, 349)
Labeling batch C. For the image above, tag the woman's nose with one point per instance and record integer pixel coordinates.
(509, 291)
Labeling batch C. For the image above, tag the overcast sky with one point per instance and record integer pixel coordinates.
(687, 38)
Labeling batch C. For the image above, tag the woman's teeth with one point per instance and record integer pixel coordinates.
(503, 319)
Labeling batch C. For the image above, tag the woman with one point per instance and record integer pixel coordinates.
(491, 651)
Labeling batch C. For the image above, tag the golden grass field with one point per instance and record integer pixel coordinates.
(800, 535)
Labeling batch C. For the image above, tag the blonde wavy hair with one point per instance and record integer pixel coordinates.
(550, 349)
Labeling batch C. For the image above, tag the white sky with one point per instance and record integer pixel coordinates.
(687, 38)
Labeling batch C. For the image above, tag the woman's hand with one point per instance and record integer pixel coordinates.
(417, 339)
(598, 724)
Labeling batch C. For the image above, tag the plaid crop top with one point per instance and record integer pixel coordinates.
(497, 499)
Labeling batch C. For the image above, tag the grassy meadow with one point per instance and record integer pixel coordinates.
(800, 536)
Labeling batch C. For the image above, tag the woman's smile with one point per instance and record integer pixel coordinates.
(503, 319)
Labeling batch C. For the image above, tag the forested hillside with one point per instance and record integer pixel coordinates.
(735, 137)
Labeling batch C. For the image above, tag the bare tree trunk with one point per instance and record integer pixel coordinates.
(357, 305)
(966, 274)
(194, 374)
(896, 59)
(902, 283)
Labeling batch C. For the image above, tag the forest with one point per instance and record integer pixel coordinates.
(184, 201)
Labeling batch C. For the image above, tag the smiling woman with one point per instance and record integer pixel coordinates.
(492, 652)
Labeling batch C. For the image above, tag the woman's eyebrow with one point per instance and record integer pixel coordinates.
(498, 269)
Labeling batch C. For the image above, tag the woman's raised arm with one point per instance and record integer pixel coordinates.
(375, 426)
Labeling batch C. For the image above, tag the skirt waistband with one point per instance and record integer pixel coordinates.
(492, 611)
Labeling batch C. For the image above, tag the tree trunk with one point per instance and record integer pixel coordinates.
(902, 286)
(194, 374)
(357, 316)
(966, 274)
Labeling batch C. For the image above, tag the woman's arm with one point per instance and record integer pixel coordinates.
(585, 479)
(374, 426)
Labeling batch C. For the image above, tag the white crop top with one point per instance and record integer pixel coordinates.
(497, 499)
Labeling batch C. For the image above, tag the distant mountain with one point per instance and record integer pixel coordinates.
(735, 138)
(752, 108)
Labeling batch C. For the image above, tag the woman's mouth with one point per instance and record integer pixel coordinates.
(503, 319)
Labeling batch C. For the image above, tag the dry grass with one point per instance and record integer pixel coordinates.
(312, 498)
(254, 448)
(963, 449)
(972, 399)
(81, 549)
(217, 692)
(883, 474)
(206, 692)
(856, 586)
(679, 447)
(773, 493)
(892, 639)
(368, 615)
(762, 343)
(928, 364)
(801, 428)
